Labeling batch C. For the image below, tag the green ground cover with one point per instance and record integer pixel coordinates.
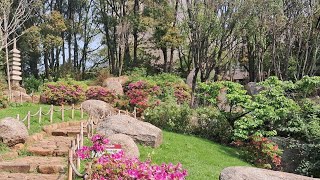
(202, 158)
(35, 127)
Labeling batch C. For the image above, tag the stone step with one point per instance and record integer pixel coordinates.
(51, 146)
(70, 131)
(35, 164)
(31, 176)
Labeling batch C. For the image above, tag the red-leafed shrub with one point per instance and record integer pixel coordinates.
(101, 93)
(263, 152)
(142, 95)
(62, 93)
(182, 93)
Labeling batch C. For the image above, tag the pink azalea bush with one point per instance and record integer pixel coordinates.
(101, 93)
(62, 93)
(142, 95)
(107, 166)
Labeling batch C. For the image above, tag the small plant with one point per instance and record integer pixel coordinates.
(100, 93)
(117, 166)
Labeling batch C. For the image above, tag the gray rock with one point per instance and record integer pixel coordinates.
(18, 96)
(290, 158)
(113, 86)
(253, 89)
(128, 145)
(250, 173)
(12, 131)
(141, 132)
(97, 108)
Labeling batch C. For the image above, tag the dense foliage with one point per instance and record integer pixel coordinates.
(63, 92)
(115, 166)
(101, 93)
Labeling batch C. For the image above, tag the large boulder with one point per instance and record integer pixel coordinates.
(250, 173)
(97, 109)
(291, 156)
(18, 96)
(113, 85)
(141, 132)
(12, 131)
(253, 88)
(128, 145)
(122, 80)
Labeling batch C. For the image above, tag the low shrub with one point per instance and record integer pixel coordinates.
(32, 84)
(3, 99)
(262, 152)
(142, 95)
(170, 116)
(211, 124)
(101, 93)
(63, 92)
(310, 164)
(117, 166)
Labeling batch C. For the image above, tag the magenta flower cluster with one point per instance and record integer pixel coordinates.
(62, 93)
(107, 166)
(101, 93)
(140, 95)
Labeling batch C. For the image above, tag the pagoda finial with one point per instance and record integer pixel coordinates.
(14, 43)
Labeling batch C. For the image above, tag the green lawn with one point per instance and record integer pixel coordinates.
(202, 158)
(35, 127)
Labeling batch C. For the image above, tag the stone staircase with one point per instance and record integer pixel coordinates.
(46, 160)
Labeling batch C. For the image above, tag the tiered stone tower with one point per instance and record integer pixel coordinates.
(15, 66)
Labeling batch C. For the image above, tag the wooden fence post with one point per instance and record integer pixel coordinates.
(81, 134)
(28, 121)
(135, 112)
(18, 117)
(51, 113)
(81, 109)
(119, 112)
(78, 147)
(72, 111)
(40, 111)
(70, 158)
(62, 112)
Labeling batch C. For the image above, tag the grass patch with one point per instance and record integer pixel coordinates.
(202, 158)
(4, 148)
(35, 127)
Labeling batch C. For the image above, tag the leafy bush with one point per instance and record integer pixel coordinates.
(170, 85)
(211, 124)
(262, 152)
(3, 98)
(142, 95)
(32, 84)
(310, 165)
(115, 166)
(100, 93)
(170, 116)
(63, 92)
(102, 75)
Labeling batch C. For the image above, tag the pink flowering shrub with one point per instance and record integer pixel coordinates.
(101, 93)
(62, 93)
(182, 93)
(107, 166)
(142, 95)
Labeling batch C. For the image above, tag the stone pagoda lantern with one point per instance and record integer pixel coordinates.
(15, 66)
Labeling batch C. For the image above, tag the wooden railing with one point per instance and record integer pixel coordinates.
(74, 162)
(40, 114)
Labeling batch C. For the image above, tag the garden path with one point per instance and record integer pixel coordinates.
(46, 159)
